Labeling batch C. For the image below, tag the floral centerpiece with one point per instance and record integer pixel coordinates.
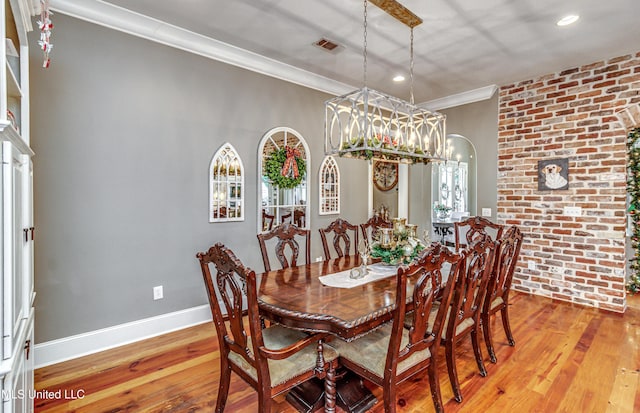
(442, 211)
(397, 245)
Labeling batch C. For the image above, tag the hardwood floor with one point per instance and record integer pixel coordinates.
(567, 358)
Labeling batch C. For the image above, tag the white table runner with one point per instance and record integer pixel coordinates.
(342, 279)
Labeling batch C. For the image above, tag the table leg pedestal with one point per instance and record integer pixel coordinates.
(351, 395)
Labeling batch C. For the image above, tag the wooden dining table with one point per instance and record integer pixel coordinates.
(296, 298)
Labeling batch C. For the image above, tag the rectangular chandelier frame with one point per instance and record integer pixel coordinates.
(367, 124)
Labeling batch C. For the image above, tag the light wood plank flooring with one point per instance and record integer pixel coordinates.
(567, 358)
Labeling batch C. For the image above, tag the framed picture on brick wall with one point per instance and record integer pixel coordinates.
(553, 174)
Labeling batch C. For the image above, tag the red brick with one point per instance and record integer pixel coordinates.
(592, 79)
(620, 73)
(568, 85)
(588, 133)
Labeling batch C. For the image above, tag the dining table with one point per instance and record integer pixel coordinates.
(322, 297)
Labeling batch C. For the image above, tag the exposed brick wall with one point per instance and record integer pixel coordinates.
(571, 115)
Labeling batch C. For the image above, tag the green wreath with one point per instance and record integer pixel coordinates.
(273, 170)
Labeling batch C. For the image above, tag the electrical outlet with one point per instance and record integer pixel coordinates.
(573, 211)
(531, 265)
(486, 212)
(158, 294)
(318, 259)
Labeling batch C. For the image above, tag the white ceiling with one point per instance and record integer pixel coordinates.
(462, 44)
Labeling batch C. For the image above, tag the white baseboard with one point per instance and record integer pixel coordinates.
(67, 348)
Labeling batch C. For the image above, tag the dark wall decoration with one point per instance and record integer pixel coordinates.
(553, 174)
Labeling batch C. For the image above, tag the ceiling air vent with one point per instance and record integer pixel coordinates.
(327, 45)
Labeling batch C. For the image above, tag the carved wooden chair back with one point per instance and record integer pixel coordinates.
(422, 334)
(409, 351)
(267, 220)
(497, 297)
(299, 218)
(287, 235)
(286, 218)
(370, 228)
(220, 212)
(467, 230)
(247, 355)
(344, 236)
(231, 280)
(470, 289)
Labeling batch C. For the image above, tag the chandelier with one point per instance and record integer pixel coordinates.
(367, 124)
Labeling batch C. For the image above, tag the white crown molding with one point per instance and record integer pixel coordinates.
(121, 19)
(136, 24)
(68, 348)
(470, 96)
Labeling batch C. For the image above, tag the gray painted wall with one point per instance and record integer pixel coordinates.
(420, 197)
(478, 122)
(124, 130)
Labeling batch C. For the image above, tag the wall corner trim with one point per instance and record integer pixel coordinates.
(136, 24)
(470, 96)
(79, 345)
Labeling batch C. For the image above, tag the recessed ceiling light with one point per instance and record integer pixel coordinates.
(398, 78)
(567, 20)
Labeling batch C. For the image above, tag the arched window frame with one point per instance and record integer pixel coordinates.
(291, 138)
(329, 187)
(226, 185)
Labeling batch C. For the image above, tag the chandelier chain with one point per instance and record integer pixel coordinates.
(367, 124)
(411, 71)
(364, 49)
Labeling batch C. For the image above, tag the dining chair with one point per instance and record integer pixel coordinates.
(470, 288)
(267, 220)
(299, 218)
(469, 228)
(220, 212)
(344, 236)
(272, 360)
(286, 218)
(497, 297)
(370, 228)
(286, 235)
(392, 354)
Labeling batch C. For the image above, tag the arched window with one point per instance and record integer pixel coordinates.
(226, 186)
(283, 198)
(329, 187)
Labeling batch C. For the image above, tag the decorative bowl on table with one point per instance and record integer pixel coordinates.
(442, 211)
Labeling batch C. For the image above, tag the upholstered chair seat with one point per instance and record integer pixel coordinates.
(277, 337)
(370, 351)
(408, 321)
(498, 301)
